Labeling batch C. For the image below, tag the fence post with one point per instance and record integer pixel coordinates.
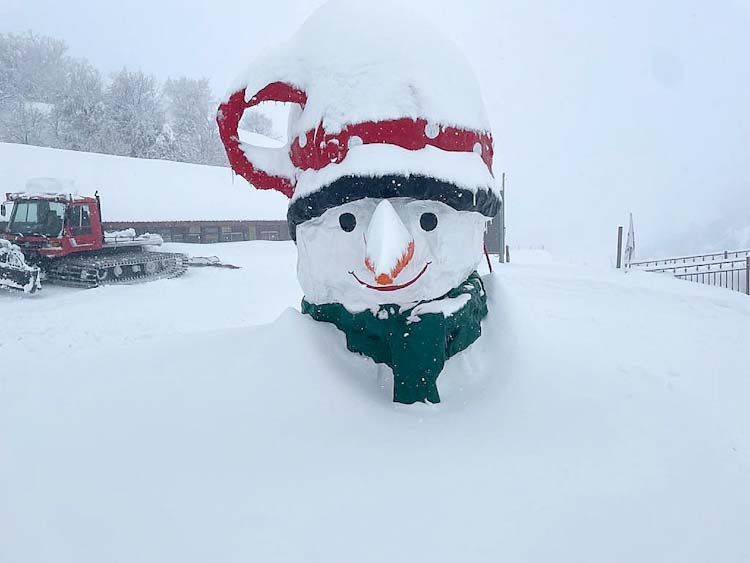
(619, 247)
(747, 275)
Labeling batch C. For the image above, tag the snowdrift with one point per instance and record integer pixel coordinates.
(134, 189)
(602, 417)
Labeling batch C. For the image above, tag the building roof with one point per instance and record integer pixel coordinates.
(134, 189)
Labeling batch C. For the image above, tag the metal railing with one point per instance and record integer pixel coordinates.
(697, 259)
(729, 274)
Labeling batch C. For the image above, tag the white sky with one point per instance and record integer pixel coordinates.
(598, 108)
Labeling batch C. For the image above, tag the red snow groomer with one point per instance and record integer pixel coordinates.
(60, 238)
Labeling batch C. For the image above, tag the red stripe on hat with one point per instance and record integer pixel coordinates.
(321, 149)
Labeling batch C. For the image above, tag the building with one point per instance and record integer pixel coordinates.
(207, 231)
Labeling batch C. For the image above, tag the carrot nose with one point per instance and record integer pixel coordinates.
(389, 244)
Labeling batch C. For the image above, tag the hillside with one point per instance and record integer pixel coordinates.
(601, 417)
(134, 189)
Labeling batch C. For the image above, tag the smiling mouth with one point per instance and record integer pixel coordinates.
(391, 287)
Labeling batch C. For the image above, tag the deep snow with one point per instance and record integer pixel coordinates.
(369, 62)
(601, 417)
(126, 185)
(396, 65)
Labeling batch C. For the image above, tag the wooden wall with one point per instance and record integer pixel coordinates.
(207, 231)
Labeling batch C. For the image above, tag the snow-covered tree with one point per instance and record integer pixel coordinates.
(24, 122)
(165, 146)
(31, 67)
(78, 113)
(191, 115)
(257, 122)
(187, 112)
(133, 114)
(50, 99)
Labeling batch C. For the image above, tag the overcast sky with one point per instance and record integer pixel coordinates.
(598, 108)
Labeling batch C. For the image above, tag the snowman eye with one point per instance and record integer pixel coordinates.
(348, 222)
(428, 221)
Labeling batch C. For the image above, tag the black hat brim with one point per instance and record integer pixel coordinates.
(353, 188)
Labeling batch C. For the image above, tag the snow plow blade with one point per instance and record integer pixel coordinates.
(27, 281)
(14, 272)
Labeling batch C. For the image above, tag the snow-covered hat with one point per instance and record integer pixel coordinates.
(385, 107)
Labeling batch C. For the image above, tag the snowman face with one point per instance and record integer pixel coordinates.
(371, 252)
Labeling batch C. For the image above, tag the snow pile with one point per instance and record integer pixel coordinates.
(134, 189)
(446, 307)
(371, 61)
(259, 140)
(128, 237)
(465, 170)
(47, 186)
(124, 233)
(601, 417)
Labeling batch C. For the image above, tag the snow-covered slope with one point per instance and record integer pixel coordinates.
(134, 189)
(601, 417)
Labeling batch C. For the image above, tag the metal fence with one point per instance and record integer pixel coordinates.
(729, 273)
(697, 259)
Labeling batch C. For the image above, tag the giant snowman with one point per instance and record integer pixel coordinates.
(389, 173)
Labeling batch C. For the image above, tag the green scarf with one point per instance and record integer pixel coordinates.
(416, 341)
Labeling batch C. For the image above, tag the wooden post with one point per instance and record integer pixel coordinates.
(619, 247)
(747, 275)
(507, 254)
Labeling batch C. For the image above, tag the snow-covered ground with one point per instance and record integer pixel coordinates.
(185, 192)
(602, 417)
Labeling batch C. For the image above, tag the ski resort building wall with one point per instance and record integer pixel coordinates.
(208, 231)
(202, 232)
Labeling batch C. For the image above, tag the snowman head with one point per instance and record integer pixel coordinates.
(389, 161)
(394, 250)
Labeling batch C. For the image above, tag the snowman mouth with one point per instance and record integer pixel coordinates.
(392, 287)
